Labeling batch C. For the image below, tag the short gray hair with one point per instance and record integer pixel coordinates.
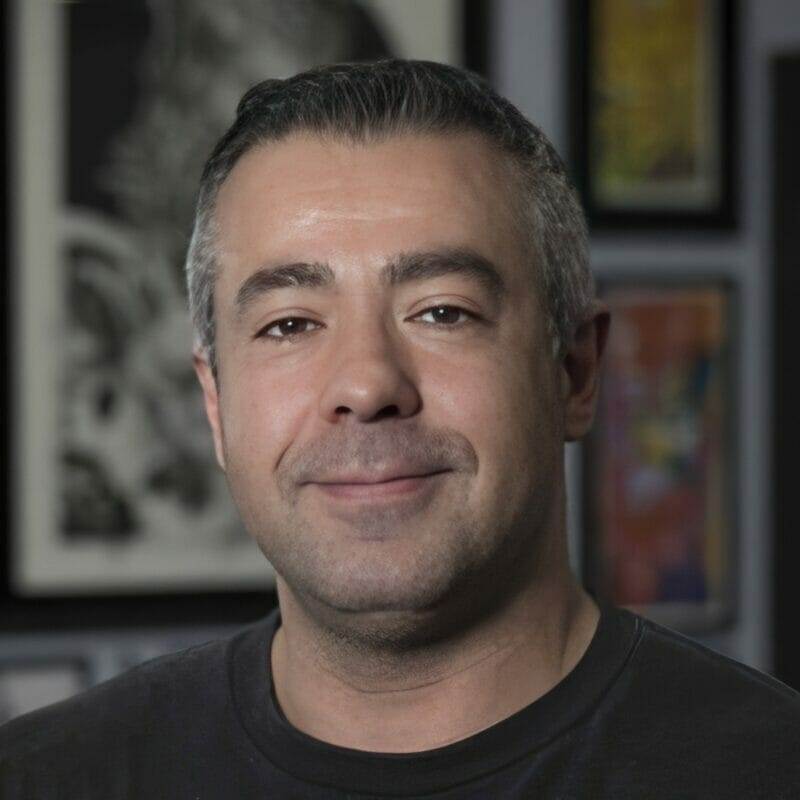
(368, 102)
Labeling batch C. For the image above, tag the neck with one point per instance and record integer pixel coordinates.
(458, 685)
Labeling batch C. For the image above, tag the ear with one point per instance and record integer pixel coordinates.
(211, 398)
(580, 371)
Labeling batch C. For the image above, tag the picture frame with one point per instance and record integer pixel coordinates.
(660, 463)
(99, 526)
(653, 122)
(27, 684)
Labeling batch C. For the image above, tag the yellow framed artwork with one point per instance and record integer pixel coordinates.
(652, 124)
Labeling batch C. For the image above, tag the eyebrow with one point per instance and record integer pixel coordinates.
(405, 267)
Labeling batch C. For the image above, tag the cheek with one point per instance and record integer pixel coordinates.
(504, 406)
(490, 400)
(261, 414)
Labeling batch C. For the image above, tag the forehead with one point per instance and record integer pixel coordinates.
(310, 198)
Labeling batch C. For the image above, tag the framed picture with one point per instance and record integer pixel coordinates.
(652, 118)
(117, 513)
(26, 685)
(660, 463)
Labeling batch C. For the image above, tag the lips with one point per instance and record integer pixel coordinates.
(374, 477)
(395, 489)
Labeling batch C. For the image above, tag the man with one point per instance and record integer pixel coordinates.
(396, 333)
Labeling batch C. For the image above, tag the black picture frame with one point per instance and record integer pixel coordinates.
(476, 16)
(599, 461)
(121, 610)
(716, 212)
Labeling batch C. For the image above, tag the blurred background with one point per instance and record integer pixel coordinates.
(678, 122)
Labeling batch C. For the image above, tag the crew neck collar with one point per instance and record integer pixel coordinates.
(314, 761)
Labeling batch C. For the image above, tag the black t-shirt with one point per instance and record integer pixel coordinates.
(646, 713)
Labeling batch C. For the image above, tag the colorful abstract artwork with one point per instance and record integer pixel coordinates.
(660, 462)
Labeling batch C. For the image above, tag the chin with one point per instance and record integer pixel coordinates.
(363, 588)
(408, 606)
(391, 585)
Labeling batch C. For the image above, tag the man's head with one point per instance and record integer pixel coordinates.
(388, 278)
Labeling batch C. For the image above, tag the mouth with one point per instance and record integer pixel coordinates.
(396, 487)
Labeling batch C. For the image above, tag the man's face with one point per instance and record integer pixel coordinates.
(403, 336)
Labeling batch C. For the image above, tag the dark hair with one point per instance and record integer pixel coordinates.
(369, 102)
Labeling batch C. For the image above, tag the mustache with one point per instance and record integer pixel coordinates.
(418, 450)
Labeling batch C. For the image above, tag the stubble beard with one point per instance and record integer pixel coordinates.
(454, 569)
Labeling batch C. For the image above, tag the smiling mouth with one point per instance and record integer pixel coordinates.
(393, 488)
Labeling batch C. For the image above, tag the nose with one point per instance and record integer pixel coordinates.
(368, 377)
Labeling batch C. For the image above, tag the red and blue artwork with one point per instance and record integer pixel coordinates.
(661, 455)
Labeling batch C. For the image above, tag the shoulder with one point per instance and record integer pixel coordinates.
(141, 701)
(704, 674)
(698, 701)
(150, 732)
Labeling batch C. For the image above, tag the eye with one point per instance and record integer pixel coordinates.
(289, 328)
(447, 316)
(286, 328)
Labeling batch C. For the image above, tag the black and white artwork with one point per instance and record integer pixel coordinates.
(115, 108)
